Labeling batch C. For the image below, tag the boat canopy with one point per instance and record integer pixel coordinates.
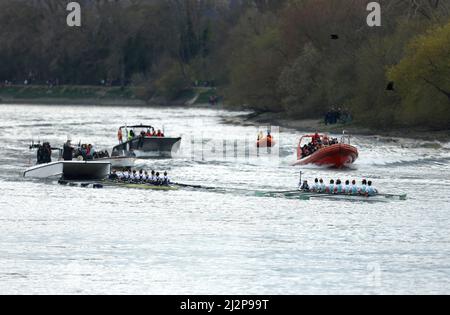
(137, 126)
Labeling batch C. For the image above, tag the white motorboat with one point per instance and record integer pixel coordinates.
(71, 170)
(146, 146)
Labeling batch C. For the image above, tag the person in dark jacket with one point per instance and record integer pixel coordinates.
(68, 151)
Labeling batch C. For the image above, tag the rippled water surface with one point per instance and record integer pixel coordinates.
(57, 239)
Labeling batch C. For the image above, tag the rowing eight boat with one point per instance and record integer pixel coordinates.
(304, 195)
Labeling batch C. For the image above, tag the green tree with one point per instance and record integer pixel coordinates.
(423, 78)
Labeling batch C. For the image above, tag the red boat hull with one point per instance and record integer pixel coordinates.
(338, 155)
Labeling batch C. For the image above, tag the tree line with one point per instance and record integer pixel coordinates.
(300, 57)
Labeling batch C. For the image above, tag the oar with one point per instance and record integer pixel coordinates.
(401, 197)
(194, 186)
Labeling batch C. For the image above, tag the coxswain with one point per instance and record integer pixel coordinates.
(305, 186)
(113, 176)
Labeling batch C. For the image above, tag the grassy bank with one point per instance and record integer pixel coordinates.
(97, 95)
(39, 94)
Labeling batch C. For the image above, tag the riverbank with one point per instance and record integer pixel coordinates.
(99, 95)
(196, 97)
(318, 125)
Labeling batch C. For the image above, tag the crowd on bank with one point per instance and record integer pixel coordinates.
(335, 116)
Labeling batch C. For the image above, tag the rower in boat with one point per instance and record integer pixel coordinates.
(362, 191)
(133, 176)
(316, 186)
(166, 179)
(158, 179)
(353, 188)
(347, 188)
(141, 175)
(153, 177)
(322, 186)
(331, 187)
(339, 188)
(371, 191)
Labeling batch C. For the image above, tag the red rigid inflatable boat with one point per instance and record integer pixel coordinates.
(337, 155)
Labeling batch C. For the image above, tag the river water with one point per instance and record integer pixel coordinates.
(68, 240)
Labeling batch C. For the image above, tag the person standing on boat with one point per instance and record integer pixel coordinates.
(68, 151)
(131, 135)
(120, 135)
